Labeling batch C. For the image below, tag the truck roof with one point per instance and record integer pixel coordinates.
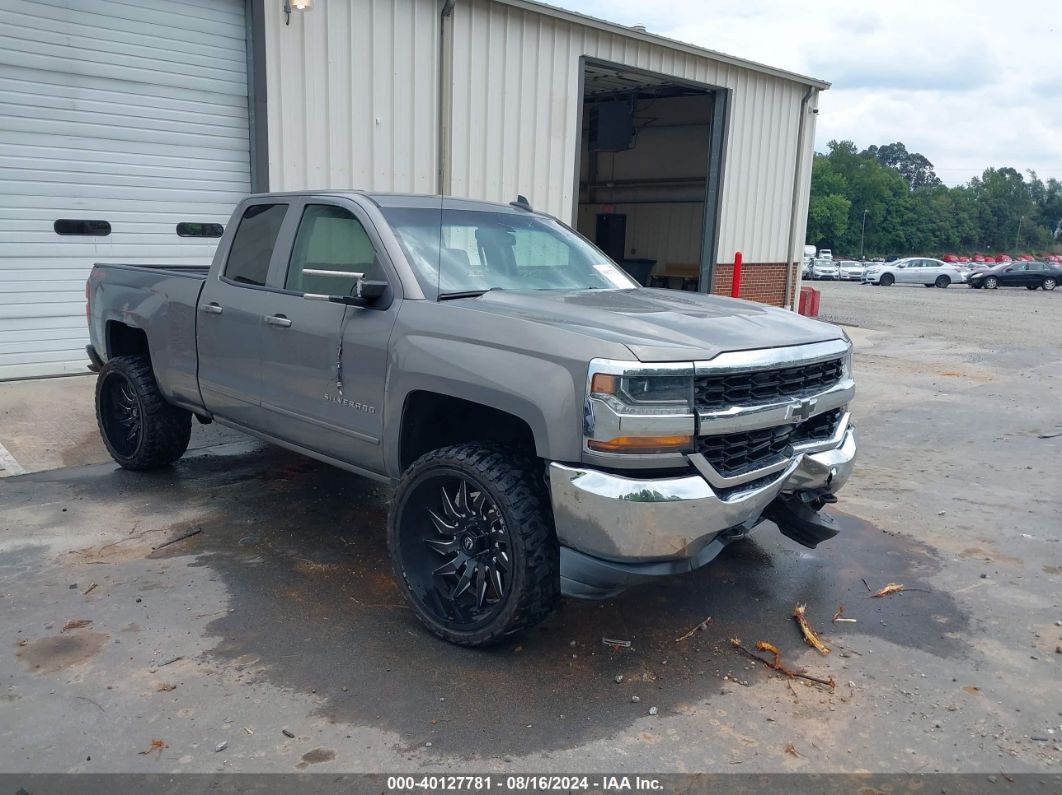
(427, 201)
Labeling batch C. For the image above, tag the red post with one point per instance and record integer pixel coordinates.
(735, 284)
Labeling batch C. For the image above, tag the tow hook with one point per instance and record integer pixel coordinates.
(798, 517)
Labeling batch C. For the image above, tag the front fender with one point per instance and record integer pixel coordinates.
(544, 393)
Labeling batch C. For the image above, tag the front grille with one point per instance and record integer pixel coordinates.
(733, 454)
(817, 429)
(757, 387)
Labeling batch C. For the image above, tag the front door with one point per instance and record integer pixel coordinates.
(324, 364)
(229, 318)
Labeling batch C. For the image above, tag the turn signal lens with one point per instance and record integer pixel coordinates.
(642, 444)
(603, 384)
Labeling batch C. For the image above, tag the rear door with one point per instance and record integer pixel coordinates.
(323, 364)
(229, 325)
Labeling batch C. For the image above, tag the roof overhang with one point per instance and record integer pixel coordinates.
(662, 41)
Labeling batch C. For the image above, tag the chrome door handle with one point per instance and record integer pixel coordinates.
(212, 308)
(278, 320)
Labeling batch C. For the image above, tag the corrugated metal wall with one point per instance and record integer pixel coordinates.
(352, 103)
(352, 93)
(516, 119)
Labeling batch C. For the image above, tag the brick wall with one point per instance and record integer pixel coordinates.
(760, 281)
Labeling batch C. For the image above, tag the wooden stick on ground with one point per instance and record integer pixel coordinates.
(810, 637)
(777, 664)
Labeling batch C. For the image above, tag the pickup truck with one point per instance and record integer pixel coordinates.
(550, 427)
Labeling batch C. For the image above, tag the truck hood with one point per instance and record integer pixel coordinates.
(659, 325)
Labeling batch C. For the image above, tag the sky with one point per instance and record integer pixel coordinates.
(968, 83)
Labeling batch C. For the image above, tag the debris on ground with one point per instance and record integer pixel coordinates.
(891, 588)
(809, 634)
(635, 699)
(653, 710)
(699, 628)
(791, 749)
(165, 687)
(288, 734)
(221, 746)
(619, 644)
(248, 730)
(838, 617)
(618, 678)
(90, 589)
(156, 745)
(195, 532)
(776, 664)
(169, 662)
(76, 623)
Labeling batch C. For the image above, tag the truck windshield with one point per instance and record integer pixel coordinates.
(468, 252)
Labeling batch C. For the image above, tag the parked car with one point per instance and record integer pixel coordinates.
(551, 426)
(849, 270)
(1018, 274)
(914, 270)
(825, 253)
(824, 269)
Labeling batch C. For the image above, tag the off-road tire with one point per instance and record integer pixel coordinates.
(887, 280)
(166, 429)
(515, 483)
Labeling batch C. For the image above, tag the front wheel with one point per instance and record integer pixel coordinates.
(472, 542)
(991, 282)
(942, 281)
(140, 429)
(1049, 283)
(887, 280)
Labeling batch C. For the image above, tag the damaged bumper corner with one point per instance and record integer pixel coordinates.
(617, 531)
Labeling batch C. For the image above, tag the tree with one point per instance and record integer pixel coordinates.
(914, 167)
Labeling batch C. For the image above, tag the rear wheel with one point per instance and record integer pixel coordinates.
(942, 281)
(991, 282)
(140, 429)
(887, 280)
(1049, 283)
(472, 543)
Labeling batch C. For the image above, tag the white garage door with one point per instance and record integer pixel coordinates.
(127, 113)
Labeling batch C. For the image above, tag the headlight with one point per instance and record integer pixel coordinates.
(641, 409)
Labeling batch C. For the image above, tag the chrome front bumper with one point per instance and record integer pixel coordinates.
(681, 520)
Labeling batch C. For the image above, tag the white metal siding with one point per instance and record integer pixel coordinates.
(132, 113)
(516, 112)
(352, 95)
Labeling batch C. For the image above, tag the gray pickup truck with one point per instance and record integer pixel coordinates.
(551, 426)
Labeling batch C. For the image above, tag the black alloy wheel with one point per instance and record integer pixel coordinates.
(942, 281)
(121, 417)
(887, 280)
(472, 542)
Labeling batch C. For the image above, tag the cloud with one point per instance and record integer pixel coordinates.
(968, 85)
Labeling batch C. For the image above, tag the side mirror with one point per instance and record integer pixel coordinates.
(366, 292)
(901, 266)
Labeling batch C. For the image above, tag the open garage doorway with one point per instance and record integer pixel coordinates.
(649, 172)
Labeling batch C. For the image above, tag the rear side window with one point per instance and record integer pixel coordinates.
(252, 247)
(196, 229)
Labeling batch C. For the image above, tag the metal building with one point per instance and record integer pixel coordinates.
(128, 130)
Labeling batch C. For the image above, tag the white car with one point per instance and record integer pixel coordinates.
(824, 269)
(914, 270)
(825, 253)
(849, 270)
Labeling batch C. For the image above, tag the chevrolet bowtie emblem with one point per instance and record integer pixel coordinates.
(803, 410)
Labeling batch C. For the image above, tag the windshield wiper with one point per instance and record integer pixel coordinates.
(465, 294)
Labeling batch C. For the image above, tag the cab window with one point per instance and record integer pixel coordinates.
(331, 249)
(252, 247)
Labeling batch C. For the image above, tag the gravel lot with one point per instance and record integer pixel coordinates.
(276, 628)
